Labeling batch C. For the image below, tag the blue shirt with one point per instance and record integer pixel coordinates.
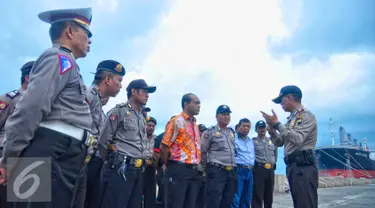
(245, 152)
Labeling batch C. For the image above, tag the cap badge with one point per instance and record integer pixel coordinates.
(118, 68)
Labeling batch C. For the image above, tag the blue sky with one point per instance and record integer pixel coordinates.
(239, 53)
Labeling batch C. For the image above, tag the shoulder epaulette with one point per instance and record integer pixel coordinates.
(13, 94)
(93, 91)
(121, 105)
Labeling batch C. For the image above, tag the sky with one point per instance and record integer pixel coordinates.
(239, 53)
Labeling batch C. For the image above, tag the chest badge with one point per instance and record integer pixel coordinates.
(269, 142)
(217, 133)
(128, 113)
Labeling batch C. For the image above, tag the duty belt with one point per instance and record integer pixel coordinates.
(301, 158)
(118, 158)
(66, 129)
(228, 168)
(265, 165)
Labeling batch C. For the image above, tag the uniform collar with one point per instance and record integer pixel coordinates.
(64, 48)
(96, 87)
(186, 117)
(296, 111)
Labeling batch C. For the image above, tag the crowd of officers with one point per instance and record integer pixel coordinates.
(110, 160)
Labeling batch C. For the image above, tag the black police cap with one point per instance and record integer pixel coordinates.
(290, 89)
(260, 124)
(140, 84)
(26, 68)
(111, 66)
(223, 109)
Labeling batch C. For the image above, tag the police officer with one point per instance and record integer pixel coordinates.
(264, 170)
(218, 160)
(299, 136)
(124, 138)
(201, 200)
(107, 83)
(7, 105)
(149, 180)
(52, 118)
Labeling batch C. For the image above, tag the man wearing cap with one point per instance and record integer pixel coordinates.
(264, 170)
(218, 161)
(146, 110)
(299, 136)
(149, 179)
(107, 83)
(124, 138)
(7, 105)
(60, 119)
(180, 152)
(245, 158)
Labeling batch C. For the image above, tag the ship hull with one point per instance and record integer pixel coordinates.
(346, 162)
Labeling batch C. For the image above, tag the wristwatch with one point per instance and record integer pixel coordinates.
(276, 125)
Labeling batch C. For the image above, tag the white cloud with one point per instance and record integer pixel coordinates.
(218, 50)
(107, 5)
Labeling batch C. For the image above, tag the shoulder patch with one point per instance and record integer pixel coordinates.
(113, 117)
(3, 105)
(65, 64)
(13, 94)
(120, 105)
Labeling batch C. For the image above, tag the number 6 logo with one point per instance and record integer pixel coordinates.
(22, 177)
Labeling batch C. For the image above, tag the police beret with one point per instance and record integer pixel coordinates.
(26, 68)
(111, 66)
(140, 84)
(82, 16)
(260, 124)
(222, 109)
(202, 127)
(152, 119)
(290, 89)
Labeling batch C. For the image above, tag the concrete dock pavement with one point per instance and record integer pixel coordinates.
(343, 197)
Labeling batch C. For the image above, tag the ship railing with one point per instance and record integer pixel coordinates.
(346, 165)
(357, 163)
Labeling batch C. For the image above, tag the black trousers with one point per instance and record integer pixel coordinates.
(160, 181)
(221, 187)
(263, 185)
(117, 192)
(149, 187)
(67, 156)
(94, 168)
(80, 189)
(183, 185)
(303, 183)
(201, 199)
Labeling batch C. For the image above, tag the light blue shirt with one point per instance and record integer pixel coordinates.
(245, 152)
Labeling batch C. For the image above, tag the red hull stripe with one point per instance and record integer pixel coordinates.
(345, 173)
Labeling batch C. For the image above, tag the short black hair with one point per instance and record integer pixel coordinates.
(58, 28)
(186, 99)
(100, 76)
(244, 120)
(129, 93)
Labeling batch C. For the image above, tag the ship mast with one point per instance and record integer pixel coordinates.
(330, 129)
